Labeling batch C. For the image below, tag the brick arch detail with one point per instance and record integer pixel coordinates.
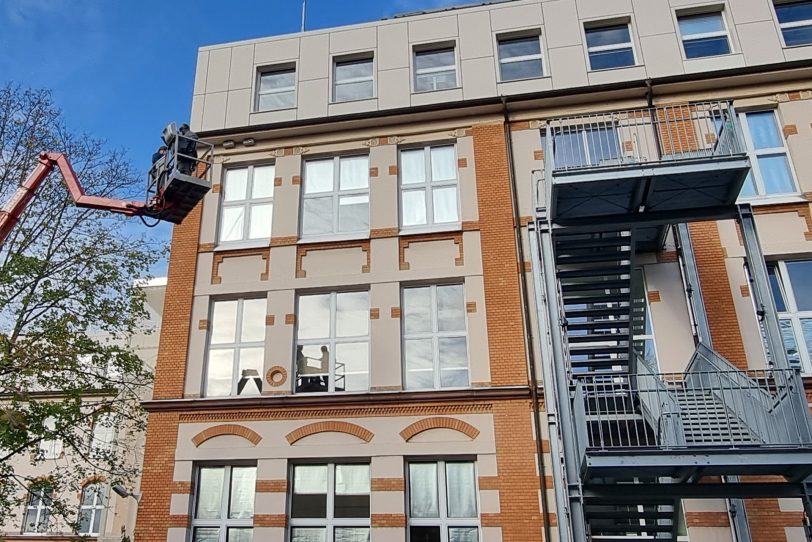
(93, 479)
(329, 427)
(227, 429)
(439, 422)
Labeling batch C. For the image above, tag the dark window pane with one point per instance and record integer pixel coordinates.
(351, 506)
(424, 534)
(521, 70)
(775, 285)
(617, 58)
(519, 47)
(799, 273)
(706, 47)
(794, 12)
(801, 35)
(308, 506)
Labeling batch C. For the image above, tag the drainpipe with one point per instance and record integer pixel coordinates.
(528, 325)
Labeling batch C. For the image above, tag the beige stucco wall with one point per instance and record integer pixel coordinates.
(225, 84)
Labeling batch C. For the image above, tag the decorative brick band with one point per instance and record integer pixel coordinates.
(287, 241)
(388, 484)
(707, 519)
(302, 250)
(667, 256)
(329, 427)
(388, 520)
(227, 429)
(654, 296)
(488, 482)
(441, 236)
(270, 520)
(440, 422)
(277, 181)
(382, 233)
(263, 252)
(94, 479)
(179, 520)
(272, 486)
(181, 488)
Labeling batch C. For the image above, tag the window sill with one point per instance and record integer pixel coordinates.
(799, 46)
(686, 59)
(356, 100)
(257, 111)
(603, 70)
(437, 90)
(242, 245)
(774, 200)
(361, 236)
(503, 81)
(420, 230)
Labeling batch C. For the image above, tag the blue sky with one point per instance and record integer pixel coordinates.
(120, 70)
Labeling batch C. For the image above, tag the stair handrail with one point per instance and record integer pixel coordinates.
(579, 413)
(659, 406)
(780, 419)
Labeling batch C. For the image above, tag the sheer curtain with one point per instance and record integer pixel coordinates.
(423, 490)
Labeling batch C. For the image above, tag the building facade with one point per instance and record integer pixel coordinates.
(103, 515)
(520, 271)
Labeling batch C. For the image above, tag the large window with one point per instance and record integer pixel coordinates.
(336, 196)
(443, 502)
(353, 79)
(104, 434)
(332, 347)
(795, 20)
(51, 448)
(91, 508)
(770, 171)
(610, 47)
(792, 291)
(236, 347)
(435, 69)
(428, 186)
(330, 503)
(276, 89)
(704, 34)
(520, 57)
(224, 504)
(247, 203)
(435, 340)
(587, 146)
(38, 509)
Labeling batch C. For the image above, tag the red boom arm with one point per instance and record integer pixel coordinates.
(10, 215)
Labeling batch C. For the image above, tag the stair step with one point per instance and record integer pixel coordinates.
(595, 285)
(614, 256)
(576, 349)
(633, 528)
(631, 514)
(601, 363)
(602, 271)
(596, 311)
(564, 242)
(597, 337)
(598, 324)
(599, 298)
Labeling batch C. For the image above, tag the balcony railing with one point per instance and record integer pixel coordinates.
(703, 408)
(640, 137)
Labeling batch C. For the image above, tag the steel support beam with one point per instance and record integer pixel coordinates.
(682, 236)
(760, 285)
(550, 392)
(645, 219)
(556, 370)
(637, 493)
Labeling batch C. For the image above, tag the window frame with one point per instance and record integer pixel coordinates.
(753, 154)
(714, 10)
(57, 445)
(353, 59)
(520, 36)
(442, 521)
(99, 447)
(331, 343)
(272, 70)
(247, 204)
(429, 48)
(435, 335)
(428, 186)
(235, 346)
(330, 522)
(791, 25)
(590, 26)
(336, 194)
(793, 314)
(43, 492)
(223, 523)
(97, 507)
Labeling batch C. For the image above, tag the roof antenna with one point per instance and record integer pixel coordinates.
(304, 14)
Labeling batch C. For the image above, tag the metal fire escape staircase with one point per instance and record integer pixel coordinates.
(627, 442)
